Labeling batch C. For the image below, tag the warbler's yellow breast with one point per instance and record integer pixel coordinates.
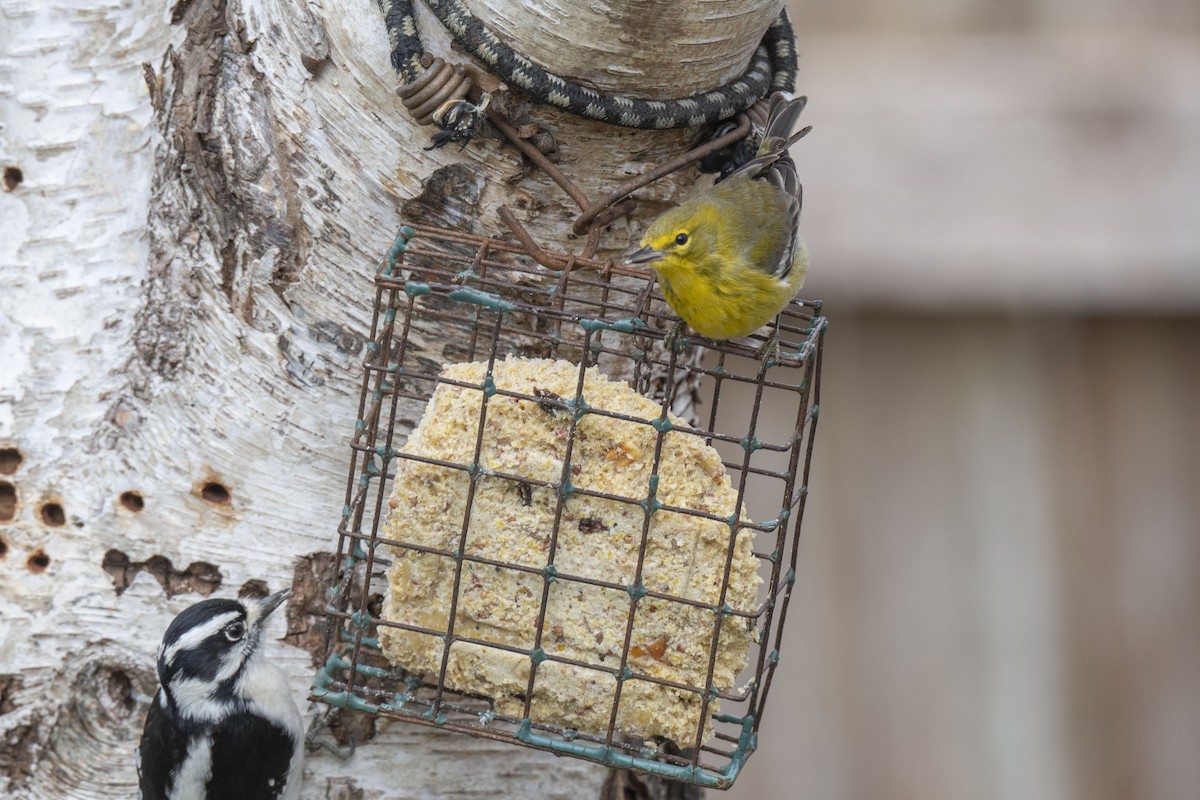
(721, 277)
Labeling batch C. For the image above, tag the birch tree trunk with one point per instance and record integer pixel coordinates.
(194, 200)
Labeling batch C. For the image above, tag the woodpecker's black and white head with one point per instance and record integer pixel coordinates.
(223, 724)
(208, 650)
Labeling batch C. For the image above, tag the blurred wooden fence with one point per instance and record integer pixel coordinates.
(999, 594)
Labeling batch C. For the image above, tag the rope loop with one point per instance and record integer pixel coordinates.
(438, 93)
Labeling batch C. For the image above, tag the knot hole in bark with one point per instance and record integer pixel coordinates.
(254, 588)
(12, 178)
(37, 562)
(8, 501)
(99, 725)
(132, 501)
(216, 493)
(10, 459)
(52, 514)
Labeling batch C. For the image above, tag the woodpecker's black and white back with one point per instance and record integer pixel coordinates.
(223, 725)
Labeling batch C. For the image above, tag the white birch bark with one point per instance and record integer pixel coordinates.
(185, 264)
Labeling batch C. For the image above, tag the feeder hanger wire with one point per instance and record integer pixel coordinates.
(772, 69)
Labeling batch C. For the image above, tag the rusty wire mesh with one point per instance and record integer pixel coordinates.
(490, 298)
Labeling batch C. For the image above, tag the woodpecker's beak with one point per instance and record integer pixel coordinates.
(272, 602)
(647, 255)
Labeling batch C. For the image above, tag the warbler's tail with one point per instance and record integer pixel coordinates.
(782, 115)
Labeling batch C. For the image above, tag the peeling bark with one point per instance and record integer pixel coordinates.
(313, 575)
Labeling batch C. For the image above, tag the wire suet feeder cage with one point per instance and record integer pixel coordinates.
(568, 527)
(472, 287)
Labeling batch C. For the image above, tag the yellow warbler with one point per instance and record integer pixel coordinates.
(730, 259)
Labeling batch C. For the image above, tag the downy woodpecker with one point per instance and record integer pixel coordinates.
(223, 725)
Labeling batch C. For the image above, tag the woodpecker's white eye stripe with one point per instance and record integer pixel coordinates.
(195, 636)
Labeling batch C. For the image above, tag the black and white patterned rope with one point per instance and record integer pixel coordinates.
(773, 68)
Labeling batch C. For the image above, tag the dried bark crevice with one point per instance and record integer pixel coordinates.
(311, 578)
(20, 739)
(221, 188)
(449, 198)
(22, 742)
(197, 578)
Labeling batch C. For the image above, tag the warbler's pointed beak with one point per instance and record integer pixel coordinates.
(647, 255)
(272, 602)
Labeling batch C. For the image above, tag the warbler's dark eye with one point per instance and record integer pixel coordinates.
(235, 631)
(681, 239)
